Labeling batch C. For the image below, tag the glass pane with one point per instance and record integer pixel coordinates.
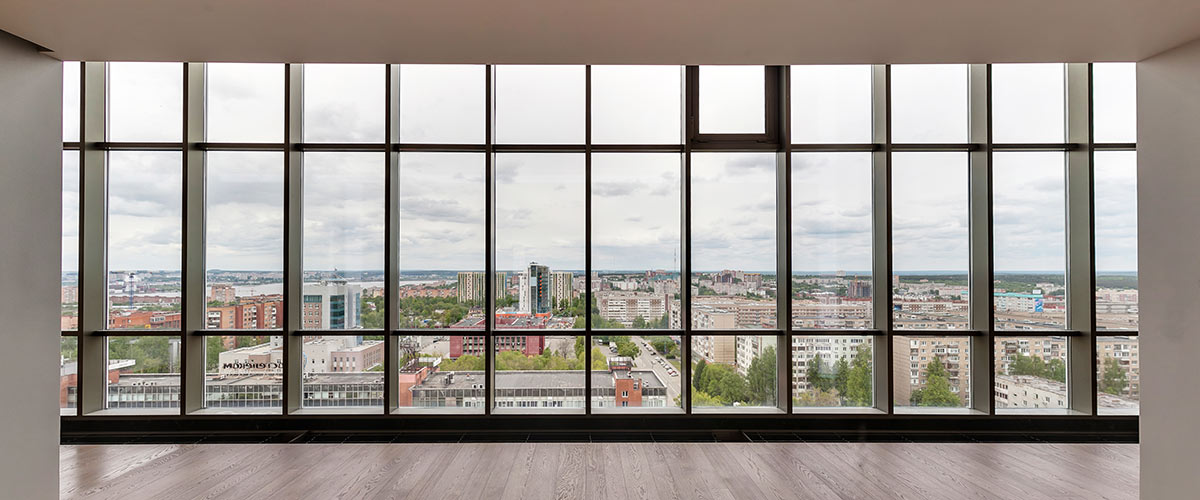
(635, 239)
(540, 104)
(732, 99)
(831, 104)
(243, 373)
(936, 373)
(145, 101)
(68, 371)
(1028, 103)
(1029, 210)
(733, 241)
(1118, 381)
(244, 102)
(1031, 372)
(343, 240)
(344, 102)
(145, 239)
(637, 104)
(1116, 240)
(832, 371)
(72, 84)
(70, 241)
(929, 103)
(929, 241)
(146, 370)
(831, 240)
(635, 372)
(539, 240)
(432, 375)
(244, 238)
(442, 232)
(541, 372)
(1114, 97)
(343, 372)
(442, 104)
(733, 371)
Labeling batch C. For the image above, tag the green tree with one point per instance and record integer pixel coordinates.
(580, 346)
(816, 377)
(817, 397)
(841, 375)
(372, 312)
(599, 362)
(1026, 365)
(150, 354)
(858, 383)
(701, 399)
(626, 347)
(1114, 380)
(760, 377)
(916, 397)
(464, 363)
(1056, 369)
(698, 373)
(663, 345)
(937, 386)
(730, 387)
(212, 353)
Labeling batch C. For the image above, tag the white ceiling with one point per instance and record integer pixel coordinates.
(604, 31)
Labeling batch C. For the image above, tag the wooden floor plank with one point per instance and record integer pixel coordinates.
(624, 471)
(524, 467)
(496, 476)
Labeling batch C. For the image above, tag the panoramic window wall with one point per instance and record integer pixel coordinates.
(379, 239)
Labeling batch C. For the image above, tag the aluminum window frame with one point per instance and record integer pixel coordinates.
(92, 333)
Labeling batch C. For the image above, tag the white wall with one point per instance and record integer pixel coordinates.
(1169, 266)
(30, 246)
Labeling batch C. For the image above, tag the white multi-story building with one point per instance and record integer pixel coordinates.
(625, 307)
(749, 348)
(562, 286)
(829, 348)
(715, 348)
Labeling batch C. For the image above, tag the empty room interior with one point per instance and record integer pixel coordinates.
(599, 250)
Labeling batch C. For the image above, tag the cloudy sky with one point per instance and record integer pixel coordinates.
(636, 197)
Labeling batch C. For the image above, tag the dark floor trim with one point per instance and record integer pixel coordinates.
(478, 428)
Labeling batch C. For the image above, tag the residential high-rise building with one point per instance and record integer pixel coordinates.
(910, 364)
(561, 288)
(471, 286)
(534, 290)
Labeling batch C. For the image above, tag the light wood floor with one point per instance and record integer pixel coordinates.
(601, 470)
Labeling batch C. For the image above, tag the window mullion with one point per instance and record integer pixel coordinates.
(391, 355)
(783, 239)
(293, 222)
(93, 274)
(881, 228)
(979, 276)
(193, 274)
(1081, 295)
